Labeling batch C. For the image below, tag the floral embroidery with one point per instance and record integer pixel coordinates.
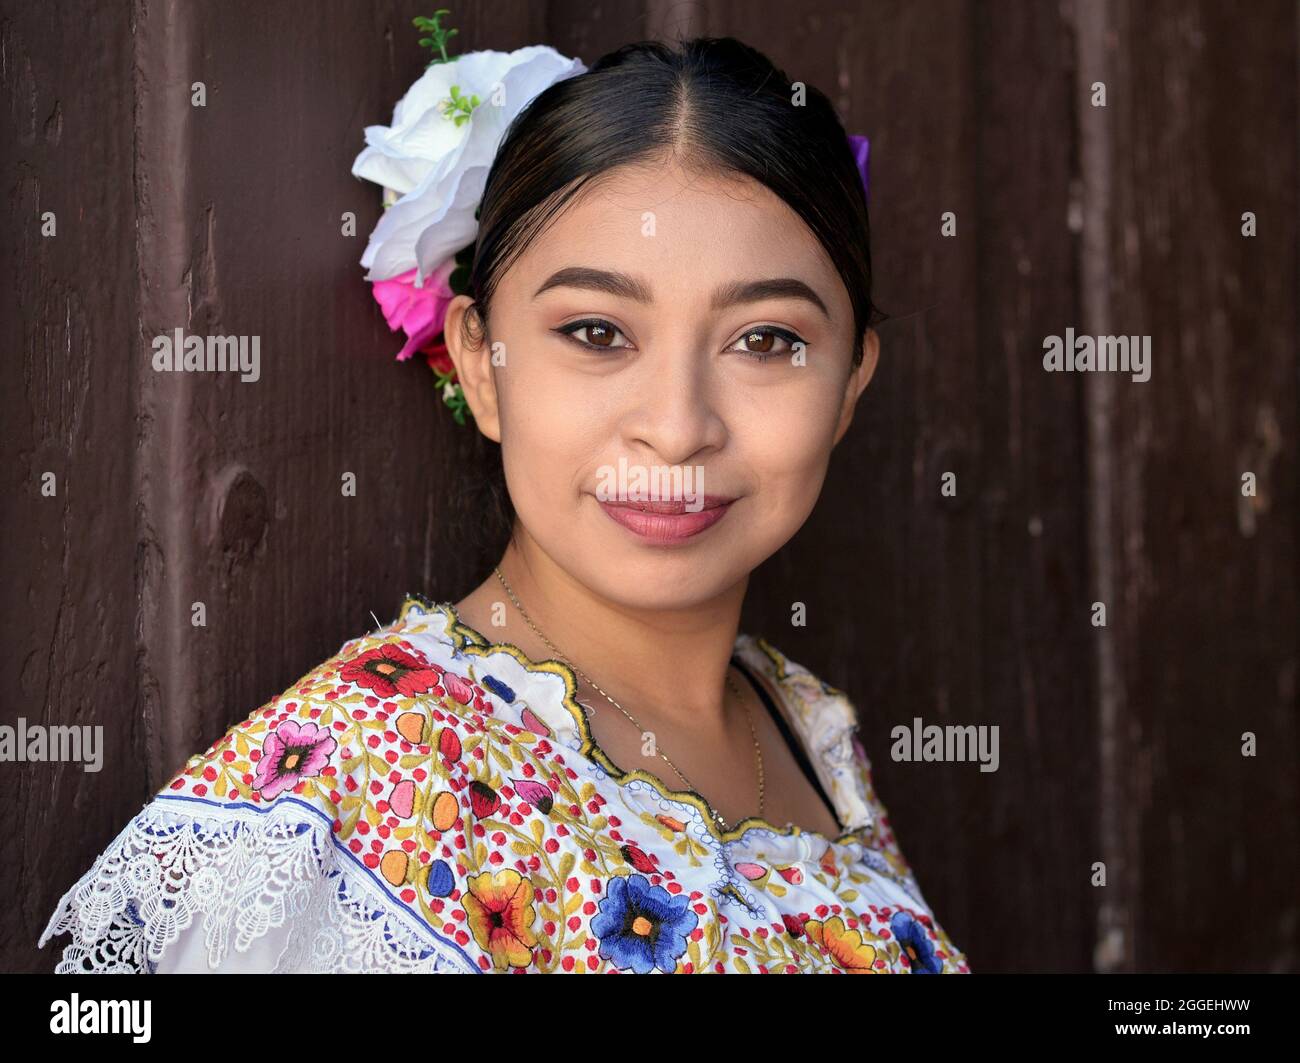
(291, 753)
(499, 688)
(446, 779)
(850, 952)
(915, 943)
(500, 909)
(534, 793)
(390, 672)
(641, 926)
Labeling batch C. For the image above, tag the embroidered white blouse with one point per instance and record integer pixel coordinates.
(428, 800)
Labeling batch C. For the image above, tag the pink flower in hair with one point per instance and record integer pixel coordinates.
(419, 312)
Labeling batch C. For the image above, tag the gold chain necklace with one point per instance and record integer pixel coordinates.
(758, 751)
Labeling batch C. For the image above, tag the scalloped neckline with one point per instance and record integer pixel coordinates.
(466, 637)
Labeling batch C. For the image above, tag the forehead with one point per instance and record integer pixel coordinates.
(682, 231)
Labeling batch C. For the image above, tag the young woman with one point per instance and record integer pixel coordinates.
(582, 765)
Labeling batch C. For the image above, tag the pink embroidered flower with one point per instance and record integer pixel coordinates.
(291, 753)
(458, 688)
(419, 312)
(389, 671)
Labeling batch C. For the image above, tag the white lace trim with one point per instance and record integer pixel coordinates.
(246, 872)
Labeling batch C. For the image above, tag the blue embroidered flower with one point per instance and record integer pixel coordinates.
(441, 881)
(641, 926)
(499, 688)
(913, 939)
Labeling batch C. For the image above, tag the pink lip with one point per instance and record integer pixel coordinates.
(667, 522)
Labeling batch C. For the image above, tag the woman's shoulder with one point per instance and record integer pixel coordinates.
(832, 729)
(829, 723)
(303, 817)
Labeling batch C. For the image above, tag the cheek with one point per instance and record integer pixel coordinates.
(790, 473)
(547, 435)
(786, 437)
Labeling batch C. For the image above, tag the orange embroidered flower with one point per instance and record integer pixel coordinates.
(846, 946)
(500, 911)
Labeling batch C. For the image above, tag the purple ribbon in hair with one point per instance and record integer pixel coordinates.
(861, 148)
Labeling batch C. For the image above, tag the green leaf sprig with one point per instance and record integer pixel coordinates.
(436, 37)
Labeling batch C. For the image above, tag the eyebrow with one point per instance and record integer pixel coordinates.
(626, 286)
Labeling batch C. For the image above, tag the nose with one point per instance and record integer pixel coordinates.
(674, 412)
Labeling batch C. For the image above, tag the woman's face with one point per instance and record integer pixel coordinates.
(635, 359)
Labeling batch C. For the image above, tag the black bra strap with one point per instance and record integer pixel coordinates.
(796, 747)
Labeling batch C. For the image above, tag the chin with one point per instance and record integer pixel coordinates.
(672, 579)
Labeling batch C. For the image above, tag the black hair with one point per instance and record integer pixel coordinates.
(715, 103)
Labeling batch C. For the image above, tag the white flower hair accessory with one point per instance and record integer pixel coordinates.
(432, 164)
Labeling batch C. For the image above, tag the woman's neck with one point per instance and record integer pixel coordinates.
(667, 663)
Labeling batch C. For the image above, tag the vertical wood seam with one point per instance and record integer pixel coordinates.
(1114, 946)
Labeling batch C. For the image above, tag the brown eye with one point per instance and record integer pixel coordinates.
(596, 334)
(600, 335)
(761, 343)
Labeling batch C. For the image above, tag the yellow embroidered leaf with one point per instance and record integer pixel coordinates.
(572, 904)
(538, 831)
(566, 864)
(566, 788)
(739, 963)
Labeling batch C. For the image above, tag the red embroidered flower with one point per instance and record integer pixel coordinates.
(484, 800)
(389, 671)
(636, 856)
